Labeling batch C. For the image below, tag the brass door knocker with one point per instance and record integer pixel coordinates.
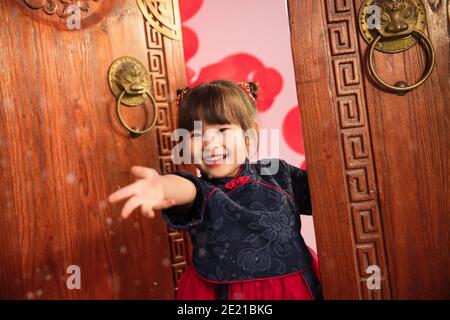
(130, 83)
(394, 26)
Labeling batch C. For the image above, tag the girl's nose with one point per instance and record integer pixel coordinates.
(212, 144)
(211, 136)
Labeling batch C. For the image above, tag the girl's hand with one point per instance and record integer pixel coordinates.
(147, 192)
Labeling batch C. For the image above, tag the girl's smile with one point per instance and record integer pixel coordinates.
(214, 160)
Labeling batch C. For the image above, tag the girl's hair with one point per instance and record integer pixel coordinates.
(219, 102)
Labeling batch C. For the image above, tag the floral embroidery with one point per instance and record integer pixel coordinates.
(252, 260)
(278, 227)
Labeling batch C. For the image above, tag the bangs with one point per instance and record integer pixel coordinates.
(213, 105)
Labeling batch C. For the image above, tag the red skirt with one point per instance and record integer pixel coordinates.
(289, 287)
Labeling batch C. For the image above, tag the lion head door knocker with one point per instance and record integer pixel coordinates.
(130, 83)
(394, 26)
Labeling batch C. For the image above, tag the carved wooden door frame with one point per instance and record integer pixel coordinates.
(336, 101)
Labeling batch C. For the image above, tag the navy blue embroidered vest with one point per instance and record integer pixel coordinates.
(248, 227)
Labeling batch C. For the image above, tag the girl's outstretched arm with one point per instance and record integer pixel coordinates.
(154, 191)
(180, 189)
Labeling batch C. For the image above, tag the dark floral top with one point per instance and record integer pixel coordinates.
(247, 227)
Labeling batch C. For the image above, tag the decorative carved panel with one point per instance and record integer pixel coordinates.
(377, 161)
(351, 112)
(160, 89)
(160, 15)
(61, 8)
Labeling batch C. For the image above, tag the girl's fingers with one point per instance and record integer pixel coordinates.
(129, 206)
(124, 192)
(128, 191)
(145, 209)
(151, 213)
(148, 210)
(165, 204)
(143, 172)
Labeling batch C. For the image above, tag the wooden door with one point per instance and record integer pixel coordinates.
(63, 150)
(378, 162)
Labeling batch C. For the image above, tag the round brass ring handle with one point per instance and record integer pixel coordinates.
(405, 89)
(136, 132)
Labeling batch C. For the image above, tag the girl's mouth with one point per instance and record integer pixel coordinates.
(215, 159)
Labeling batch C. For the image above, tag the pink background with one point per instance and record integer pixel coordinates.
(248, 40)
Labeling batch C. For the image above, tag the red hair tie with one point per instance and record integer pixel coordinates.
(246, 87)
(181, 94)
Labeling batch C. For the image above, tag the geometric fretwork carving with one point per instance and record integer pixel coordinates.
(350, 113)
(161, 15)
(356, 146)
(360, 185)
(164, 127)
(366, 222)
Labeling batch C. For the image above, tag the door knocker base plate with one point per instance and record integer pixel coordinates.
(394, 20)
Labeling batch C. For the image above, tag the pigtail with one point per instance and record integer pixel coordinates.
(254, 89)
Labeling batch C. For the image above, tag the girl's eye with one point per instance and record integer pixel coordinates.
(223, 129)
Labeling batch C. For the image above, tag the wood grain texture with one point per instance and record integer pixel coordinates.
(63, 151)
(322, 147)
(378, 162)
(410, 143)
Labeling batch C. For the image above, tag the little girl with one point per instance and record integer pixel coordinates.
(243, 218)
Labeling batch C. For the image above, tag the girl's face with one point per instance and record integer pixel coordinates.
(218, 150)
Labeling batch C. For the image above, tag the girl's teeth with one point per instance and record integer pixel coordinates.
(212, 159)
